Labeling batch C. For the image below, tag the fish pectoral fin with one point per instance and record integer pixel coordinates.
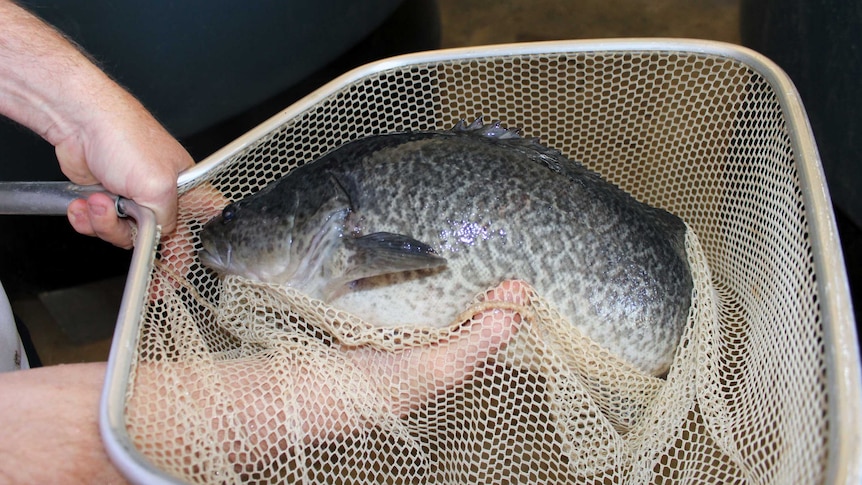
(384, 252)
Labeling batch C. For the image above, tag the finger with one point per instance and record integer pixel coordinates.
(485, 334)
(509, 291)
(454, 360)
(447, 365)
(413, 375)
(79, 217)
(106, 224)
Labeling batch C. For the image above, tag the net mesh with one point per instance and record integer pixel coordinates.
(241, 381)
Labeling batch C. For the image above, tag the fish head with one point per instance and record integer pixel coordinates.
(286, 238)
(240, 242)
(307, 242)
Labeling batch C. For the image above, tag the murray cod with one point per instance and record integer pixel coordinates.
(407, 228)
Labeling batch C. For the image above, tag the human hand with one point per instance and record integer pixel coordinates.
(291, 396)
(409, 378)
(134, 157)
(100, 132)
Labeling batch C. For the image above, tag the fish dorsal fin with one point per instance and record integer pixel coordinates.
(532, 147)
(511, 136)
(494, 130)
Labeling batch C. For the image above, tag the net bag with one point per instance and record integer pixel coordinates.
(237, 381)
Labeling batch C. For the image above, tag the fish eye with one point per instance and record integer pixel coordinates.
(228, 213)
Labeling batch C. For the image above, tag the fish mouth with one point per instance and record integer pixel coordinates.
(216, 256)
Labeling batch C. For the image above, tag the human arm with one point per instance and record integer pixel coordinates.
(49, 416)
(100, 132)
(50, 426)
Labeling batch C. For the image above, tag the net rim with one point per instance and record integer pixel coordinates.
(844, 378)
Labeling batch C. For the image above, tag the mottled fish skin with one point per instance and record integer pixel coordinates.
(495, 206)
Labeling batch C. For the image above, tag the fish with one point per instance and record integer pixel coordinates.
(407, 228)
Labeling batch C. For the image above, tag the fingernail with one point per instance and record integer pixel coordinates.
(97, 209)
(76, 216)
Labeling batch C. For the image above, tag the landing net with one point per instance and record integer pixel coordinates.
(238, 381)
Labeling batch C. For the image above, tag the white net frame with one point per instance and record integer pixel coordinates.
(696, 128)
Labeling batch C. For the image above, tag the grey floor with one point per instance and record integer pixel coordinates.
(74, 324)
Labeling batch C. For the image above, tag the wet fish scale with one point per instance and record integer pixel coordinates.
(494, 209)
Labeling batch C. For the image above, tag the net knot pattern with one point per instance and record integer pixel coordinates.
(237, 381)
